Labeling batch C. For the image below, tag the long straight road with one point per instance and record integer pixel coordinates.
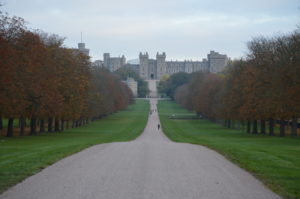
(150, 167)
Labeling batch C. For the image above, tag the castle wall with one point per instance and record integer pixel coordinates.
(157, 68)
(161, 65)
(216, 62)
(132, 84)
(113, 63)
(82, 49)
(144, 65)
(152, 69)
(185, 66)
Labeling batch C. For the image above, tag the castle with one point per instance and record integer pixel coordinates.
(82, 49)
(113, 63)
(157, 68)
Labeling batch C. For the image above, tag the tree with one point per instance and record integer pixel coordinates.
(170, 85)
(125, 72)
(181, 94)
(208, 97)
(11, 95)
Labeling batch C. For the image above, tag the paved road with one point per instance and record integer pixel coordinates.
(150, 167)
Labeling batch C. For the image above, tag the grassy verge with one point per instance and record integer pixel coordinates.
(274, 160)
(21, 157)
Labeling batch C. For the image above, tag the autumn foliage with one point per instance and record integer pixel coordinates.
(52, 86)
(258, 92)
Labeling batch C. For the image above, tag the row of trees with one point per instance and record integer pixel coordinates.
(125, 72)
(261, 90)
(49, 84)
(168, 84)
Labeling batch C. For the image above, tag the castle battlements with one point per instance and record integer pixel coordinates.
(156, 68)
(144, 55)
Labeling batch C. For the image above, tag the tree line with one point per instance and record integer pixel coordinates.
(51, 85)
(258, 91)
(142, 86)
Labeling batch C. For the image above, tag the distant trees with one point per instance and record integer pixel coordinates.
(169, 85)
(201, 94)
(259, 91)
(49, 84)
(125, 72)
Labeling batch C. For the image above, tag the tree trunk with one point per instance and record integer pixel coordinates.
(282, 128)
(233, 124)
(238, 124)
(254, 130)
(33, 125)
(294, 127)
(10, 127)
(50, 124)
(56, 124)
(262, 126)
(68, 124)
(42, 126)
(271, 126)
(62, 125)
(229, 123)
(22, 125)
(1, 123)
(225, 123)
(248, 126)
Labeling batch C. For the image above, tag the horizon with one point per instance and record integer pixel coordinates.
(154, 56)
(183, 29)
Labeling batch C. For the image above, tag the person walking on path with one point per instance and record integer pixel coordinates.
(158, 126)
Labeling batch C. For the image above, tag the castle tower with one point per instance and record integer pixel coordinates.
(106, 57)
(216, 61)
(82, 49)
(161, 65)
(123, 60)
(144, 65)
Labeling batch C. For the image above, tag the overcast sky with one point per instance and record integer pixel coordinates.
(184, 29)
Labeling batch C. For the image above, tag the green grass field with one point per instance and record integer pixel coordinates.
(274, 160)
(21, 157)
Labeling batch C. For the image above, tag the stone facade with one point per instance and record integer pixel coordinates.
(82, 49)
(132, 84)
(113, 63)
(216, 61)
(156, 68)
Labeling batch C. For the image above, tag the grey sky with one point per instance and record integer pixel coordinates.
(184, 29)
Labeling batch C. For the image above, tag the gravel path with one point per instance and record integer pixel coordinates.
(151, 166)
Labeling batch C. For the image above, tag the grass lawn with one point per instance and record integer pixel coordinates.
(21, 157)
(274, 160)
